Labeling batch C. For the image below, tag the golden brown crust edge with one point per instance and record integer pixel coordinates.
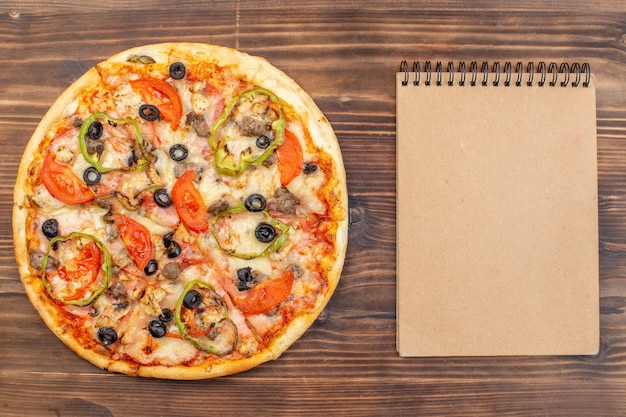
(263, 74)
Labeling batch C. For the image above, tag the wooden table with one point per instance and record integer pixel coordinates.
(345, 55)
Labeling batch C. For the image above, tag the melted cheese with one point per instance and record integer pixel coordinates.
(256, 180)
(212, 188)
(164, 166)
(237, 233)
(71, 218)
(42, 198)
(306, 187)
(154, 227)
(126, 99)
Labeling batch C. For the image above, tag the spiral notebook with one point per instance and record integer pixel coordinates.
(497, 219)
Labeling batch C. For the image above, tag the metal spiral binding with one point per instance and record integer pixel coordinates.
(570, 74)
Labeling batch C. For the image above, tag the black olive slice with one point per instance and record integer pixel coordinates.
(192, 299)
(50, 228)
(162, 198)
(178, 152)
(91, 176)
(309, 168)
(255, 202)
(244, 276)
(166, 315)
(173, 250)
(151, 268)
(107, 335)
(167, 239)
(149, 112)
(177, 70)
(263, 142)
(265, 232)
(157, 328)
(95, 130)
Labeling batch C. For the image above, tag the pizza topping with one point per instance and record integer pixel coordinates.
(178, 152)
(94, 147)
(284, 201)
(107, 336)
(162, 95)
(130, 203)
(218, 206)
(149, 112)
(166, 315)
(168, 239)
(192, 299)
(199, 124)
(95, 130)
(157, 328)
(141, 59)
(161, 198)
(94, 159)
(309, 168)
(202, 318)
(151, 267)
(118, 295)
(266, 295)
(36, 259)
(171, 270)
(177, 70)
(233, 136)
(290, 158)
(91, 176)
(81, 271)
(173, 250)
(181, 168)
(62, 183)
(136, 238)
(245, 278)
(50, 228)
(255, 202)
(189, 203)
(75, 281)
(231, 227)
(262, 142)
(265, 232)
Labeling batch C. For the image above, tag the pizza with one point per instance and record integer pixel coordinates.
(180, 212)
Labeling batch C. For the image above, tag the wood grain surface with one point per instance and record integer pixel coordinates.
(345, 54)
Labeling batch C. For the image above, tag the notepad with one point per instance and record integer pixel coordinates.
(497, 212)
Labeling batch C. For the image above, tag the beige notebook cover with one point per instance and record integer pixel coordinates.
(497, 220)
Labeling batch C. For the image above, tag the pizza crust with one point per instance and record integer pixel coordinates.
(254, 69)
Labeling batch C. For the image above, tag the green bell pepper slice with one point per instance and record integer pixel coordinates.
(231, 164)
(84, 128)
(272, 247)
(223, 336)
(106, 266)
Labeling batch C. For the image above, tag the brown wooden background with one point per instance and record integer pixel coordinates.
(345, 54)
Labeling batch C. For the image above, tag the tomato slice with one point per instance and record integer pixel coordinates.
(196, 331)
(160, 93)
(82, 269)
(62, 183)
(136, 238)
(290, 158)
(189, 203)
(265, 296)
